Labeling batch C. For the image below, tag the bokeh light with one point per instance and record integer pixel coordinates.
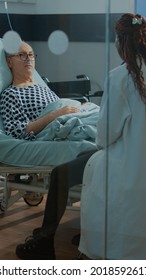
(58, 42)
(11, 42)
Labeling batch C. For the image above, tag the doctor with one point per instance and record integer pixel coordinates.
(113, 204)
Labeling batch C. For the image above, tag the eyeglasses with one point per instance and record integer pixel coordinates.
(24, 56)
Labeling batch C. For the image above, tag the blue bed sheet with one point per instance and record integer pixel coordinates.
(24, 153)
(74, 127)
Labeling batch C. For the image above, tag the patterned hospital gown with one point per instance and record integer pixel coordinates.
(19, 106)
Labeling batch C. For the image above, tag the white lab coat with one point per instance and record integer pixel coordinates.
(113, 201)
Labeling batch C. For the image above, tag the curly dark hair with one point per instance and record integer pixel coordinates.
(131, 33)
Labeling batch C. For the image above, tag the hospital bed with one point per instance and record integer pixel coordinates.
(31, 158)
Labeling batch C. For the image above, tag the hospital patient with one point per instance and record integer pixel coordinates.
(24, 100)
(21, 104)
(113, 205)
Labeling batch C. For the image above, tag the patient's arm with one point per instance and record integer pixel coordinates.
(39, 124)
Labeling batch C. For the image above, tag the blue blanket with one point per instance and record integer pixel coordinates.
(33, 153)
(74, 127)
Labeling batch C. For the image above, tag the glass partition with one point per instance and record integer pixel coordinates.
(77, 44)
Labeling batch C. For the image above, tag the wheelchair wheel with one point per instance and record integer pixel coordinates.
(2, 205)
(33, 198)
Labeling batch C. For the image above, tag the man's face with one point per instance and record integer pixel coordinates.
(22, 64)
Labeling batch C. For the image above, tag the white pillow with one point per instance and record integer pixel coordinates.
(6, 75)
(38, 78)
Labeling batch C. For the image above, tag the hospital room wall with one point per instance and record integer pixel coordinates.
(81, 57)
